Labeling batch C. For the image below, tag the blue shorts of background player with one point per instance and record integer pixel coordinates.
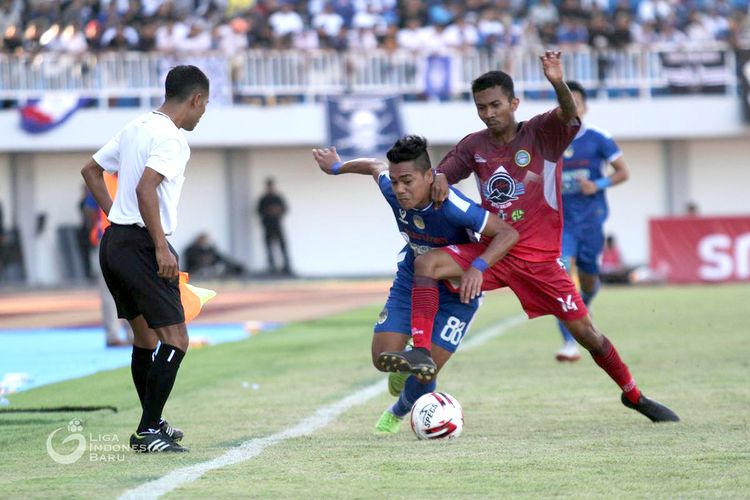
(452, 323)
(585, 246)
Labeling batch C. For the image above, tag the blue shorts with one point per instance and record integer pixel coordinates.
(585, 245)
(451, 323)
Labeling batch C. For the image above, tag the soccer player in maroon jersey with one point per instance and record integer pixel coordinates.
(518, 168)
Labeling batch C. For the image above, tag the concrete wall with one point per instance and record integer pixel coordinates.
(719, 173)
(340, 225)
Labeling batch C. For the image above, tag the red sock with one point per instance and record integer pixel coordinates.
(424, 307)
(611, 363)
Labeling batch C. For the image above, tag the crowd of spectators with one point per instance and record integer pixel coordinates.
(174, 26)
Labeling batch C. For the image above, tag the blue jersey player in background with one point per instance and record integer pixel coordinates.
(406, 184)
(584, 183)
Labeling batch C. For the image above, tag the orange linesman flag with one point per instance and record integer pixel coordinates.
(193, 297)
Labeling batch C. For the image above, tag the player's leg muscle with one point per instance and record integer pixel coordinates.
(586, 334)
(175, 335)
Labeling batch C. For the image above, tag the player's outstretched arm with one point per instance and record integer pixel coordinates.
(329, 162)
(552, 66)
(93, 176)
(503, 238)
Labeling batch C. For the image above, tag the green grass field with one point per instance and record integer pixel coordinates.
(534, 428)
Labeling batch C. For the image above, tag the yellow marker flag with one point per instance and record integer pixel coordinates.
(193, 297)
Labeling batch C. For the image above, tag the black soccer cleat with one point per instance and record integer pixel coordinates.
(652, 409)
(416, 361)
(173, 432)
(154, 442)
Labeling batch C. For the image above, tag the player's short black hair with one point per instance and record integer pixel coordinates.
(574, 86)
(183, 80)
(410, 148)
(494, 79)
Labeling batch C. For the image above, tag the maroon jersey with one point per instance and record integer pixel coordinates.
(520, 181)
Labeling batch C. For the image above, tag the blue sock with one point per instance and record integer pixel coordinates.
(567, 337)
(411, 392)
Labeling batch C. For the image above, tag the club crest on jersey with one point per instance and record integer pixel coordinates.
(419, 222)
(501, 189)
(383, 316)
(522, 158)
(568, 153)
(479, 159)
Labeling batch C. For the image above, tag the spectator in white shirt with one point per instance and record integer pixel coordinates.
(286, 21)
(198, 39)
(170, 36)
(461, 34)
(410, 37)
(362, 39)
(328, 22)
(72, 40)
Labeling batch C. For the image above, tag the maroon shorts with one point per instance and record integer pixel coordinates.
(542, 287)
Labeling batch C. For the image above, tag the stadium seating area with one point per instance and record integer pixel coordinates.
(190, 26)
(116, 52)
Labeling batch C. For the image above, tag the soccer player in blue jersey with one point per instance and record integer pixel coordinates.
(406, 184)
(584, 183)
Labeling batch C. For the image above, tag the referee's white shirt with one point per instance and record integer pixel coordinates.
(151, 141)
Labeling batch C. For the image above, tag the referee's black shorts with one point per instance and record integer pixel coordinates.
(128, 258)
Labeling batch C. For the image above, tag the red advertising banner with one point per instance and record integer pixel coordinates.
(701, 249)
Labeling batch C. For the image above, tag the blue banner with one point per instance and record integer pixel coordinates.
(360, 126)
(438, 78)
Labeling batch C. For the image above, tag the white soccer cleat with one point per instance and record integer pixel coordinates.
(568, 352)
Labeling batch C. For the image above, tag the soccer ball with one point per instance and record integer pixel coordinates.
(437, 415)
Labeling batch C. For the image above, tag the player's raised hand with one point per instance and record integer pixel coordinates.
(552, 66)
(326, 158)
(439, 191)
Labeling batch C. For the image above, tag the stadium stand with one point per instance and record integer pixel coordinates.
(117, 52)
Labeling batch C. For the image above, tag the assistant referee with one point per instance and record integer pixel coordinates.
(139, 265)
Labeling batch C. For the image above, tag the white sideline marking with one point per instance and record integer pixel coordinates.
(321, 418)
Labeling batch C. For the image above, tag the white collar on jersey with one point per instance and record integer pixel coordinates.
(157, 112)
(422, 209)
(581, 130)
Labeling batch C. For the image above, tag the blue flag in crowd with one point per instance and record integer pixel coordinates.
(363, 126)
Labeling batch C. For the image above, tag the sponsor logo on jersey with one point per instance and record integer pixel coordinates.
(383, 316)
(479, 158)
(419, 222)
(402, 216)
(522, 158)
(501, 189)
(517, 215)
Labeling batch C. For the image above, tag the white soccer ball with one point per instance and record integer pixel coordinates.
(437, 415)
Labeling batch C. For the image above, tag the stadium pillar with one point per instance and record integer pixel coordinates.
(239, 203)
(676, 176)
(23, 201)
